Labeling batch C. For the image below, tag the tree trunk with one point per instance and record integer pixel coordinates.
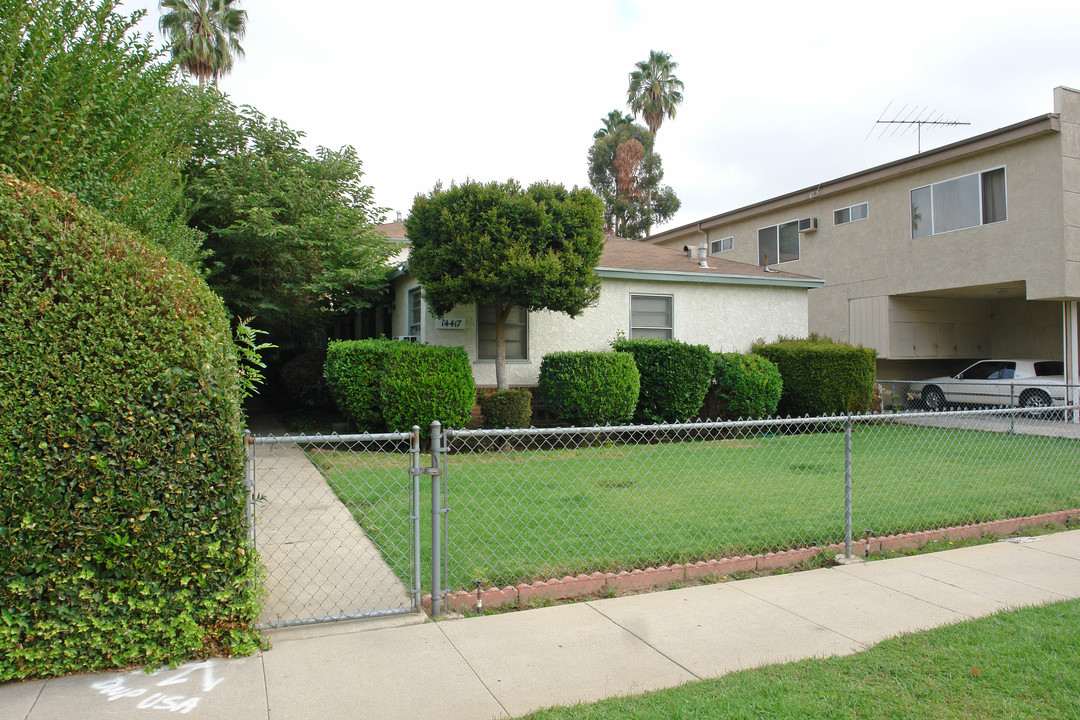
(501, 313)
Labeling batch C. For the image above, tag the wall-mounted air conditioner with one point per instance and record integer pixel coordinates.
(408, 338)
(808, 225)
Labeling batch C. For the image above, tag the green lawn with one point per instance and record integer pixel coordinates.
(520, 515)
(1018, 665)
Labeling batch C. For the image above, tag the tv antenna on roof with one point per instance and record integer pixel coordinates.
(906, 119)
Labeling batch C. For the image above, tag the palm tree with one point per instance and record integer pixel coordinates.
(654, 90)
(204, 35)
(614, 119)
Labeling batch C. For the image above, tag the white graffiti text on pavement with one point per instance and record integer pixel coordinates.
(142, 687)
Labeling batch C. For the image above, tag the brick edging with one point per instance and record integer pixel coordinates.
(653, 578)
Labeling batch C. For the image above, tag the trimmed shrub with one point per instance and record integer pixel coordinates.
(123, 531)
(746, 386)
(305, 383)
(822, 377)
(590, 388)
(506, 408)
(353, 370)
(423, 383)
(674, 378)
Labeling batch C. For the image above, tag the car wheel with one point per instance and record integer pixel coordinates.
(933, 398)
(1035, 399)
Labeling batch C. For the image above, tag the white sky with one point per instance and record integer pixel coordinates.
(779, 95)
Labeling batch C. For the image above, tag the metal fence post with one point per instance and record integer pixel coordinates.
(847, 487)
(414, 517)
(249, 483)
(1012, 404)
(436, 520)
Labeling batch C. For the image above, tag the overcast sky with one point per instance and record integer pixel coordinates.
(779, 96)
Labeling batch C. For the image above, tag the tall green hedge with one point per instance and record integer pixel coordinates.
(822, 377)
(590, 388)
(123, 533)
(423, 383)
(746, 386)
(674, 378)
(353, 370)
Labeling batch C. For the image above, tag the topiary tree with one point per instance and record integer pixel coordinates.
(590, 388)
(123, 530)
(822, 377)
(534, 249)
(746, 386)
(674, 378)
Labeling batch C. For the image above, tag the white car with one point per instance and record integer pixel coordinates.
(1023, 383)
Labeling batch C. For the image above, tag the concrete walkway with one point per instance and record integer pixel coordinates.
(319, 562)
(502, 666)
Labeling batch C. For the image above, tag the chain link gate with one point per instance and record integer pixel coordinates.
(336, 523)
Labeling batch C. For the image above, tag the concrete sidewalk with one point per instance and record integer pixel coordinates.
(506, 665)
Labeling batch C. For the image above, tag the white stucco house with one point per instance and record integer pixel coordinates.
(646, 291)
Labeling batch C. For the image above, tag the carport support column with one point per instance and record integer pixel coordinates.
(1072, 355)
(436, 520)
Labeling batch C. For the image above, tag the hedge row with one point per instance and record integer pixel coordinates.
(674, 378)
(590, 388)
(394, 385)
(123, 531)
(822, 377)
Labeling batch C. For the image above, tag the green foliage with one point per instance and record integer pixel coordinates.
(353, 371)
(89, 108)
(746, 386)
(304, 381)
(249, 353)
(674, 378)
(424, 383)
(634, 200)
(291, 235)
(123, 531)
(821, 377)
(506, 408)
(496, 243)
(654, 90)
(589, 388)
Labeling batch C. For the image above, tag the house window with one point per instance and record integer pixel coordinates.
(722, 245)
(517, 333)
(778, 243)
(962, 202)
(851, 214)
(415, 312)
(651, 316)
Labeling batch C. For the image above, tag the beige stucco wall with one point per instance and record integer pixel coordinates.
(727, 318)
(1037, 248)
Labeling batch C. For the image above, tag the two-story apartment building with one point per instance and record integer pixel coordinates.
(967, 251)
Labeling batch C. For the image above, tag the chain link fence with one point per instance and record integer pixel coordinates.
(334, 520)
(530, 505)
(347, 528)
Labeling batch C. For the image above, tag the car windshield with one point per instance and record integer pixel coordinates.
(989, 370)
(1049, 367)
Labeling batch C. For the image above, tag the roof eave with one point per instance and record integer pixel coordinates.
(718, 278)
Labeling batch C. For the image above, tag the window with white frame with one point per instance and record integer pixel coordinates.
(517, 333)
(651, 316)
(778, 243)
(962, 202)
(851, 214)
(415, 311)
(721, 245)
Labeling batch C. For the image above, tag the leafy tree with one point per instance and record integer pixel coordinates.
(626, 173)
(654, 90)
(496, 243)
(204, 35)
(90, 108)
(290, 235)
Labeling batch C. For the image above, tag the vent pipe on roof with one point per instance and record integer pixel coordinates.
(703, 253)
(688, 250)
